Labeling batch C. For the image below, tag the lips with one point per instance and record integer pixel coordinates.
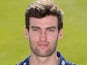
(42, 44)
(45, 45)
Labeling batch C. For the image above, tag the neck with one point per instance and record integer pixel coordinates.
(51, 60)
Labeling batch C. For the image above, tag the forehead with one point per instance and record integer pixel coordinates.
(44, 22)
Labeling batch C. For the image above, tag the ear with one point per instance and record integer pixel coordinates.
(60, 34)
(26, 33)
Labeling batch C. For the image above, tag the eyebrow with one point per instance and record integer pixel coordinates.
(51, 27)
(35, 27)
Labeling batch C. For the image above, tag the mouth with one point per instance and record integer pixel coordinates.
(43, 45)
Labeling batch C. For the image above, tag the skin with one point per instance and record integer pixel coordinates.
(43, 35)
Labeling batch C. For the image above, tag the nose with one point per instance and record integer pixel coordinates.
(43, 36)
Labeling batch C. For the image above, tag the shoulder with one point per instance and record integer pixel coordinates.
(63, 61)
(25, 62)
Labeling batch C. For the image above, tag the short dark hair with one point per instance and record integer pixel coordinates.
(42, 8)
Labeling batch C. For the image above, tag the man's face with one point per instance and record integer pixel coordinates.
(43, 35)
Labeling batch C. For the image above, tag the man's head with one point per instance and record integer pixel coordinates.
(43, 27)
(42, 8)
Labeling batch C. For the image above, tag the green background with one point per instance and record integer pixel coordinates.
(13, 45)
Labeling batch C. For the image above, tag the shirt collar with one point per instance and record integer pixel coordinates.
(62, 60)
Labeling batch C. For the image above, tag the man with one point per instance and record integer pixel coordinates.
(44, 23)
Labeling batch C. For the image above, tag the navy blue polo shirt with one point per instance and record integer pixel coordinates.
(62, 60)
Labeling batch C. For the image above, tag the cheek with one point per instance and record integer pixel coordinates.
(34, 37)
(52, 37)
(53, 40)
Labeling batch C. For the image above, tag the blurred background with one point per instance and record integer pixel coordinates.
(15, 48)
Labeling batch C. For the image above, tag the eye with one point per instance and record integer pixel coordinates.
(51, 30)
(35, 29)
